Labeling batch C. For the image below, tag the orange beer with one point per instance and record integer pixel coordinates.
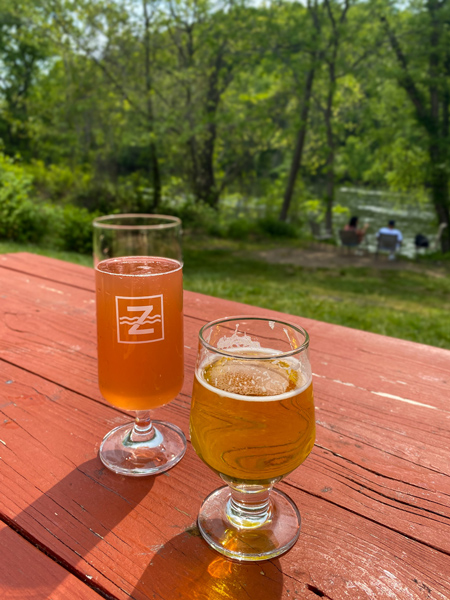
(140, 331)
(252, 421)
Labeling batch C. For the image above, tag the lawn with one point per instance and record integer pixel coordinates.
(399, 303)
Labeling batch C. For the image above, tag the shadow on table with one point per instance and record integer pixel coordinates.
(186, 568)
(76, 513)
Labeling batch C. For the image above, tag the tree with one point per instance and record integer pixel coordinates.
(21, 56)
(304, 92)
(209, 46)
(120, 39)
(423, 59)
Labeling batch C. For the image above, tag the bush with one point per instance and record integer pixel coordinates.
(274, 227)
(240, 229)
(74, 228)
(195, 216)
(21, 219)
(55, 183)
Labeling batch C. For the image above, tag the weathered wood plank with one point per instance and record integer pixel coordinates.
(48, 269)
(138, 537)
(381, 452)
(353, 417)
(27, 573)
(56, 321)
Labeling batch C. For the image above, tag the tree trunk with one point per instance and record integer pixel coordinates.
(155, 172)
(206, 182)
(433, 117)
(439, 196)
(329, 192)
(329, 174)
(205, 185)
(438, 130)
(300, 143)
(156, 175)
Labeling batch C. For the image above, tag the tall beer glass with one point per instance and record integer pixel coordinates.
(252, 422)
(140, 350)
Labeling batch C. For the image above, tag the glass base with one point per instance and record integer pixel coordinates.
(139, 459)
(267, 540)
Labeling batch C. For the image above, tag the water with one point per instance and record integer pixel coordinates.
(377, 208)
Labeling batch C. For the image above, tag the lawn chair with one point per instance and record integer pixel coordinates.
(387, 242)
(349, 239)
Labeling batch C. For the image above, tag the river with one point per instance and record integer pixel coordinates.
(373, 207)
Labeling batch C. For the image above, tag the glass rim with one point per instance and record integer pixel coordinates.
(120, 258)
(171, 221)
(304, 346)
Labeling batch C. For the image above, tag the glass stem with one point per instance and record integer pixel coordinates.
(249, 505)
(143, 427)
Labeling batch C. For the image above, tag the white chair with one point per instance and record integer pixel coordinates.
(437, 239)
(387, 242)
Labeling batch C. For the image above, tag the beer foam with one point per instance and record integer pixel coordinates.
(236, 341)
(138, 266)
(254, 381)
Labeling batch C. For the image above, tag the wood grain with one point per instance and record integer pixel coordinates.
(27, 573)
(374, 494)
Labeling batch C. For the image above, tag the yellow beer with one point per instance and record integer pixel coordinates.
(252, 421)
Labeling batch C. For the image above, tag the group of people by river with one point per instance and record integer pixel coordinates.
(420, 241)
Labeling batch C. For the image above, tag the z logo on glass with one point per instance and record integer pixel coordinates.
(140, 319)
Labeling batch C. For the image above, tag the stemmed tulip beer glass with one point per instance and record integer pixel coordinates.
(140, 337)
(252, 422)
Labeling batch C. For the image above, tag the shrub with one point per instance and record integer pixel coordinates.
(56, 183)
(21, 219)
(274, 227)
(196, 216)
(74, 228)
(239, 229)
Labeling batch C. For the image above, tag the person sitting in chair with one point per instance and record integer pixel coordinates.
(391, 230)
(353, 226)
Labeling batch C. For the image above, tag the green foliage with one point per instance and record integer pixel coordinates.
(58, 182)
(315, 210)
(73, 228)
(205, 102)
(276, 228)
(196, 216)
(21, 219)
(242, 229)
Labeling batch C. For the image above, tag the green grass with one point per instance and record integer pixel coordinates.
(399, 303)
(403, 304)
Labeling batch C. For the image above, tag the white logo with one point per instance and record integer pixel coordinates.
(147, 326)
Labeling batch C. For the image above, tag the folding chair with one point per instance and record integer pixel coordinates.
(387, 242)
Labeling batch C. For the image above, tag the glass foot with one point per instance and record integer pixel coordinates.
(138, 459)
(261, 542)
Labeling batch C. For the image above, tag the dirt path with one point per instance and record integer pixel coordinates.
(326, 256)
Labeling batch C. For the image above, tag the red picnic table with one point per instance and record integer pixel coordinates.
(374, 494)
